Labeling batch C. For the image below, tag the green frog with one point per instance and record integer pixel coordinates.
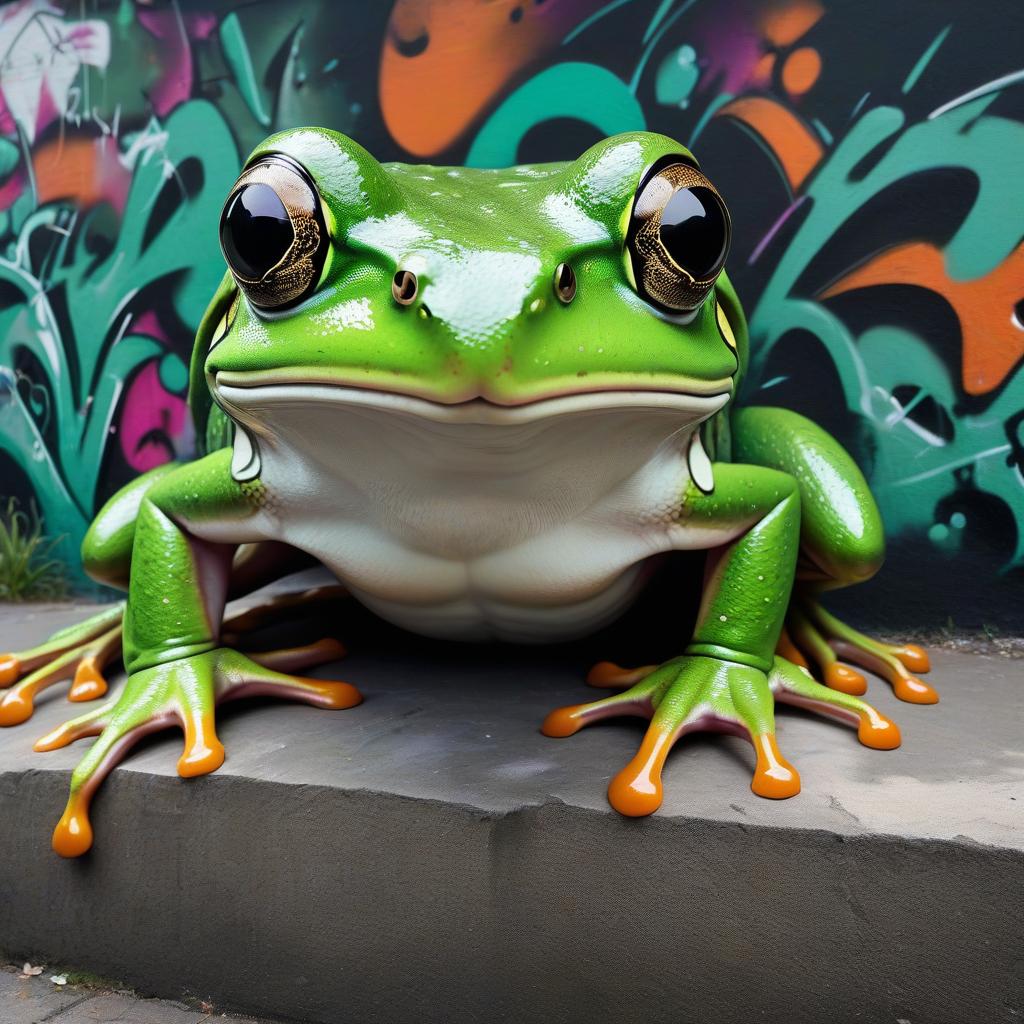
(487, 401)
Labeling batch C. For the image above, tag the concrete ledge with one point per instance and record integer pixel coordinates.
(429, 856)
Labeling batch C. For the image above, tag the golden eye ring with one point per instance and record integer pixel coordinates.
(678, 236)
(272, 233)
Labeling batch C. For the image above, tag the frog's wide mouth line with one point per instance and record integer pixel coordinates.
(693, 408)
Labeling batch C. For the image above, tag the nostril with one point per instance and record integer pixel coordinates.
(565, 283)
(404, 287)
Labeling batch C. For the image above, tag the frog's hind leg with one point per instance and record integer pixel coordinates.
(842, 543)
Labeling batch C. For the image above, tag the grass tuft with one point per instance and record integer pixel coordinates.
(27, 572)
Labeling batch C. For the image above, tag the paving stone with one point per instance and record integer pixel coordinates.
(32, 1000)
(121, 1009)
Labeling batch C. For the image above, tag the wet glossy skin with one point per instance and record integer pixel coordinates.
(484, 399)
(484, 246)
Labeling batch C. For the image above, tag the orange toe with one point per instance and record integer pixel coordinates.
(60, 737)
(914, 658)
(336, 695)
(15, 708)
(73, 834)
(878, 732)
(204, 752)
(908, 688)
(563, 721)
(88, 683)
(774, 777)
(10, 669)
(637, 790)
(788, 650)
(202, 758)
(845, 679)
(606, 673)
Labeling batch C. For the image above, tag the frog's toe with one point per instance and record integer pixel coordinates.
(608, 675)
(810, 646)
(90, 724)
(83, 661)
(905, 685)
(792, 685)
(844, 679)
(10, 669)
(569, 720)
(269, 675)
(73, 835)
(912, 656)
(774, 777)
(880, 660)
(204, 752)
(789, 650)
(825, 638)
(637, 790)
(18, 703)
(16, 664)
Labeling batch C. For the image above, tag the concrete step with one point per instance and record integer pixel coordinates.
(430, 856)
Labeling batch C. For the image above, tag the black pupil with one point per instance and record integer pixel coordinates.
(255, 231)
(694, 231)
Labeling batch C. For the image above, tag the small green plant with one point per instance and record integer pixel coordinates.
(27, 572)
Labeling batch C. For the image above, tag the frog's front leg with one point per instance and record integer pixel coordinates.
(727, 677)
(177, 670)
(842, 542)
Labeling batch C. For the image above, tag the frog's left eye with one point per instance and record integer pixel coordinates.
(678, 237)
(272, 233)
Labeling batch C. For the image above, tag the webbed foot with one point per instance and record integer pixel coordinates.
(695, 692)
(83, 652)
(816, 639)
(183, 693)
(80, 653)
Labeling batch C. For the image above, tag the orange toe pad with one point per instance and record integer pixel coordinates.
(562, 722)
(88, 683)
(73, 834)
(10, 669)
(15, 709)
(845, 679)
(879, 733)
(774, 777)
(914, 658)
(914, 691)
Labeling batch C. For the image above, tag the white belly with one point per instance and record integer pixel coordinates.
(522, 527)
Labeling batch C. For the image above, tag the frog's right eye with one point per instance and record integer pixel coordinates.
(678, 236)
(272, 233)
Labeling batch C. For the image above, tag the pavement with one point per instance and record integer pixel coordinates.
(430, 856)
(35, 999)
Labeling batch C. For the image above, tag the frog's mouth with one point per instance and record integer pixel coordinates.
(239, 395)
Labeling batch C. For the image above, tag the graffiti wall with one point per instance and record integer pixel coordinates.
(872, 155)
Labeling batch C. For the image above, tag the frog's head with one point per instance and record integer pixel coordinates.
(597, 281)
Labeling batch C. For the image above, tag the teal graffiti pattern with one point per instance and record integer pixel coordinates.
(872, 159)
